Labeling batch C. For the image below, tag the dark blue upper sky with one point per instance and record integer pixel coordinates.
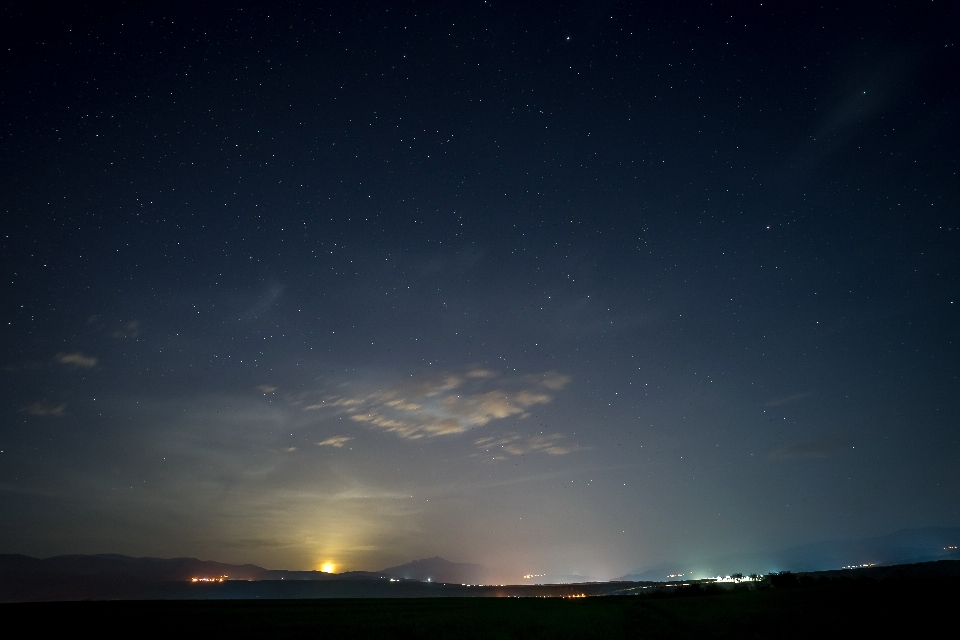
(566, 288)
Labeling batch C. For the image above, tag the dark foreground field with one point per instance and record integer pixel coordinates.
(849, 608)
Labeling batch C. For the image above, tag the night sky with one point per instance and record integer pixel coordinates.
(562, 288)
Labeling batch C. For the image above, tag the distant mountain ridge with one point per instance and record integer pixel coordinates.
(182, 569)
(902, 547)
(115, 564)
(437, 569)
(562, 578)
(66, 578)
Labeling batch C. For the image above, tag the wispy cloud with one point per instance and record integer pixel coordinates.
(411, 429)
(555, 381)
(431, 388)
(115, 328)
(479, 409)
(127, 330)
(264, 302)
(76, 359)
(444, 404)
(369, 493)
(335, 441)
(266, 388)
(45, 410)
(812, 450)
(554, 444)
(480, 372)
(786, 399)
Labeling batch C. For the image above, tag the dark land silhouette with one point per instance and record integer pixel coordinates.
(907, 546)
(912, 553)
(783, 606)
(117, 577)
(112, 576)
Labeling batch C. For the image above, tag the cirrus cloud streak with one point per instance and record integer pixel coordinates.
(446, 404)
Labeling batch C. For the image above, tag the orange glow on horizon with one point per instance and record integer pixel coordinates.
(328, 567)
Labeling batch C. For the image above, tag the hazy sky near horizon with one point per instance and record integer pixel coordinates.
(574, 288)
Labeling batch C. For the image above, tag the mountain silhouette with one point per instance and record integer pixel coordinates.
(144, 569)
(902, 547)
(437, 569)
(112, 576)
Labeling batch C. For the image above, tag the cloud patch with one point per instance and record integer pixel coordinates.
(335, 441)
(264, 302)
(411, 429)
(444, 404)
(554, 381)
(76, 359)
(45, 410)
(480, 372)
(127, 331)
(479, 409)
(554, 444)
(115, 328)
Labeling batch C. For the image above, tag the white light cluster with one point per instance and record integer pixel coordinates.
(736, 580)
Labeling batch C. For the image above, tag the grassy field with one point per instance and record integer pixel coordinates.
(855, 609)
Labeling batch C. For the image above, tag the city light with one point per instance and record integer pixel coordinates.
(217, 579)
(735, 578)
